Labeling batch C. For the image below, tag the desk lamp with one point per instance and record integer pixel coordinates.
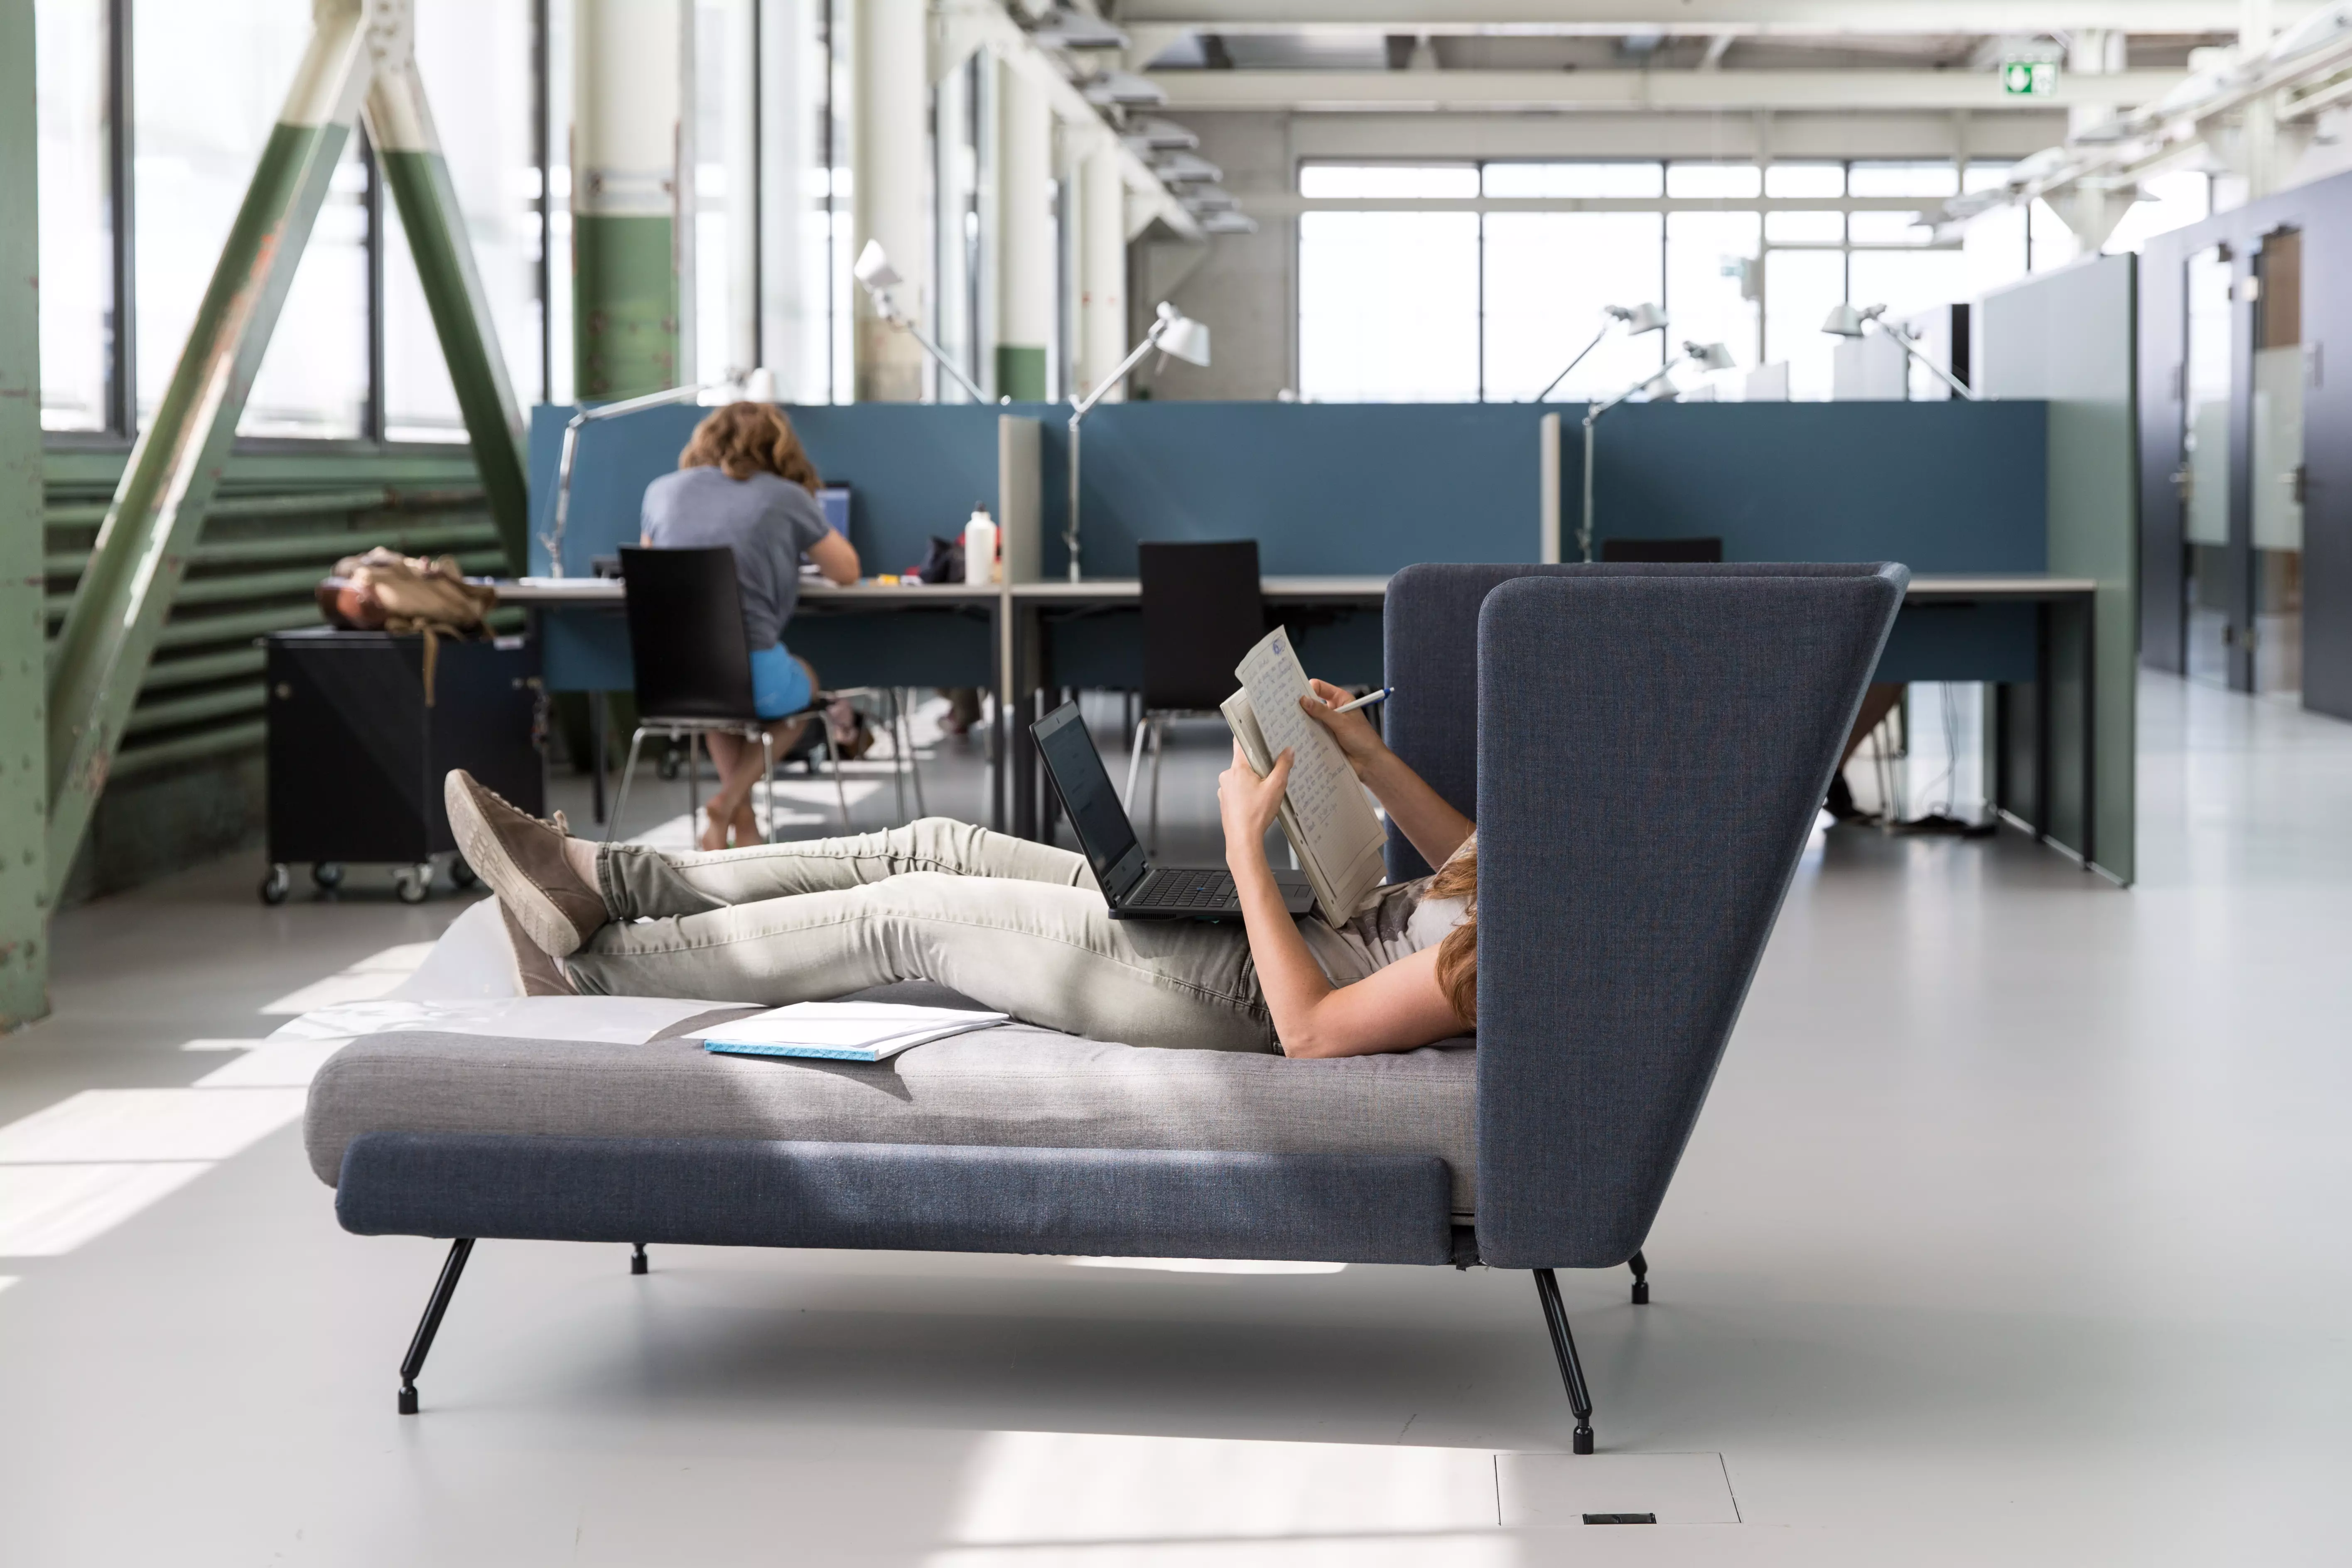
(1173, 334)
(1659, 387)
(1845, 321)
(756, 386)
(1640, 318)
(875, 271)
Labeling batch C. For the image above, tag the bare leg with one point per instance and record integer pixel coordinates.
(783, 736)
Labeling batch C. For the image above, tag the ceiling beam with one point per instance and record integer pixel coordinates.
(1501, 90)
(1612, 16)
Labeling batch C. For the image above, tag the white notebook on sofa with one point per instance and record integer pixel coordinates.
(843, 1031)
(1326, 814)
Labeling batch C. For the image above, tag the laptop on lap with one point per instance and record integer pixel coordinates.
(1136, 888)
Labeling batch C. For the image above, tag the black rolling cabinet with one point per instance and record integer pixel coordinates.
(357, 755)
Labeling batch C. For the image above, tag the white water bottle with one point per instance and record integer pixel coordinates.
(979, 548)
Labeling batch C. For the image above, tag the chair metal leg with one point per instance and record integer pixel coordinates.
(832, 761)
(422, 1345)
(628, 772)
(1159, 745)
(1563, 1349)
(768, 788)
(1640, 1268)
(914, 770)
(638, 1264)
(898, 757)
(1134, 761)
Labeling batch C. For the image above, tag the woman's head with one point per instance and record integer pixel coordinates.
(1457, 956)
(740, 439)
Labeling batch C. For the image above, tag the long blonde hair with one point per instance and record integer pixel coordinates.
(1457, 956)
(740, 439)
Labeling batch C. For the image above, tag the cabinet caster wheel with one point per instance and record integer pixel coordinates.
(461, 876)
(670, 765)
(328, 874)
(274, 884)
(413, 884)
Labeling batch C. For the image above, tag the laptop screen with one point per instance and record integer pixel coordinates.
(1104, 831)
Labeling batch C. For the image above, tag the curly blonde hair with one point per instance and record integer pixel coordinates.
(1457, 956)
(740, 439)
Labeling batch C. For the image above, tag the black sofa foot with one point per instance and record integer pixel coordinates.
(422, 1345)
(1640, 1279)
(638, 1264)
(1563, 1349)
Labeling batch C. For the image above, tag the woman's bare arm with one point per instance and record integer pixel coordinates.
(1396, 1009)
(1420, 814)
(836, 558)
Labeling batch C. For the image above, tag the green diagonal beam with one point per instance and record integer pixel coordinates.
(143, 548)
(409, 151)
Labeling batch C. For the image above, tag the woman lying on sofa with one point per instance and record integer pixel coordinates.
(1017, 927)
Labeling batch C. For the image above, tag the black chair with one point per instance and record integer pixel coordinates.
(1202, 611)
(691, 661)
(1701, 551)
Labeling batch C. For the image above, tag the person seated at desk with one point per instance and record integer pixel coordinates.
(1020, 928)
(745, 481)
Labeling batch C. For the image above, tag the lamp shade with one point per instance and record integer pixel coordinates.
(760, 385)
(1710, 356)
(1661, 387)
(874, 269)
(1184, 337)
(1640, 318)
(1845, 321)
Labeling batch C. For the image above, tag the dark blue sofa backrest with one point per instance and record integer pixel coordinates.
(1647, 746)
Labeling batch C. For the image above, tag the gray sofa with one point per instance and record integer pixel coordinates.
(1644, 748)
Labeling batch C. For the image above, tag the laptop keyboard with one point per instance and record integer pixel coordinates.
(1171, 889)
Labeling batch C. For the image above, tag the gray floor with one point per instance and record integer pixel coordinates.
(2013, 1232)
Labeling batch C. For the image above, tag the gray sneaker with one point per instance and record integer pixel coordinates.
(522, 857)
(536, 974)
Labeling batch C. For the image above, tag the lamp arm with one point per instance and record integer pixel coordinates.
(554, 538)
(887, 309)
(1916, 352)
(1579, 360)
(1079, 408)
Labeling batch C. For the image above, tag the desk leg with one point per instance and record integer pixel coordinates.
(2044, 693)
(2089, 621)
(598, 719)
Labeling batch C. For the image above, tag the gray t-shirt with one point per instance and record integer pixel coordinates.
(766, 520)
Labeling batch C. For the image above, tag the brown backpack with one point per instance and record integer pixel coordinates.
(387, 590)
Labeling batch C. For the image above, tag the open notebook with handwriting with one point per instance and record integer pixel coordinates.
(1326, 814)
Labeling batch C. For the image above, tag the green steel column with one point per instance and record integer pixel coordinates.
(142, 547)
(625, 199)
(401, 124)
(24, 780)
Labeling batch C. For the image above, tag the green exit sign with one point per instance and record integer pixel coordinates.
(2029, 79)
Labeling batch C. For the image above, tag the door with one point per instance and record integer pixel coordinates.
(2281, 373)
(2204, 475)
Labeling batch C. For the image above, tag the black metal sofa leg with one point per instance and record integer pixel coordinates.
(1563, 1347)
(422, 1345)
(638, 1264)
(1641, 1269)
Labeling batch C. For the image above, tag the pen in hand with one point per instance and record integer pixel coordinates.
(1365, 701)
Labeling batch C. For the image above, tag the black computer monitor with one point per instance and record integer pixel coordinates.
(835, 500)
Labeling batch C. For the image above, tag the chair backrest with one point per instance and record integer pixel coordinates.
(1703, 550)
(687, 650)
(1429, 653)
(1202, 610)
(1652, 751)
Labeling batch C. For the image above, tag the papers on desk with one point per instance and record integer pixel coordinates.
(843, 1031)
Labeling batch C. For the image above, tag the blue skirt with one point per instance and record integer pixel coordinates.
(779, 684)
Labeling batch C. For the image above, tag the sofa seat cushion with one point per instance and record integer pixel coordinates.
(1013, 1087)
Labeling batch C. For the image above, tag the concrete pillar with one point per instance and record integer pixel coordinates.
(23, 767)
(1025, 268)
(1102, 269)
(625, 197)
(892, 189)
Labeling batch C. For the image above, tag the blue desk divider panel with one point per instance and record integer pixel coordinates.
(1940, 487)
